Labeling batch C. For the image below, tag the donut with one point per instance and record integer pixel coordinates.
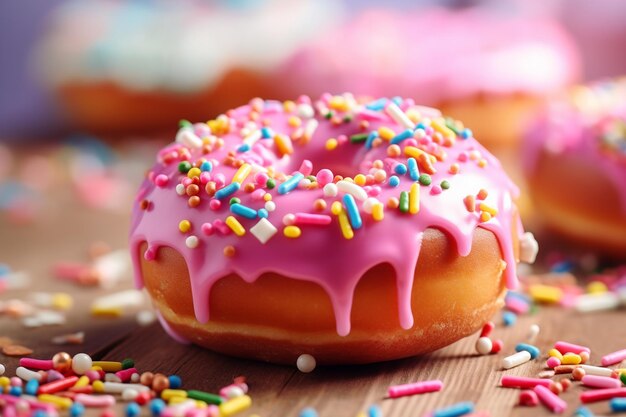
(489, 69)
(351, 230)
(118, 66)
(575, 163)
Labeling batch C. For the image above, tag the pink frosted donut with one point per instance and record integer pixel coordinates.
(575, 162)
(355, 232)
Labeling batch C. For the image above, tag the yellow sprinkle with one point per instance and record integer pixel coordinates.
(336, 208)
(294, 121)
(378, 211)
(440, 126)
(184, 226)
(417, 152)
(166, 394)
(96, 368)
(292, 232)
(289, 106)
(485, 217)
(482, 163)
(361, 414)
(283, 144)
(106, 311)
(83, 381)
(338, 103)
(413, 115)
(555, 353)
(344, 224)
(597, 287)
(4, 381)
(235, 405)
(176, 399)
(488, 209)
(194, 172)
(571, 359)
(242, 173)
(267, 197)
(60, 402)
(360, 179)
(98, 386)
(201, 404)
(545, 293)
(331, 144)
(108, 366)
(386, 133)
(414, 198)
(235, 226)
(62, 301)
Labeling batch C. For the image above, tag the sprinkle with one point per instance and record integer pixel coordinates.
(263, 230)
(184, 167)
(516, 359)
(206, 166)
(292, 232)
(353, 211)
(394, 181)
(305, 363)
(602, 394)
(267, 133)
(618, 405)
(482, 194)
(283, 144)
(455, 410)
(187, 137)
(290, 184)
(442, 128)
(194, 173)
(413, 170)
(445, 184)
(184, 226)
(192, 242)
(386, 133)
(344, 223)
(378, 211)
(400, 169)
(422, 387)
(242, 173)
(595, 381)
(483, 345)
(613, 358)
(358, 138)
(331, 144)
(571, 359)
(414, 198)
(402, 136)
(399, 116)
(550, 400)
(234, 406)
(310, 218)
(353, 189)
(370, 139)
(404, 202)
(243, 211)
(235, 226)
(547, 294)
(511, 381)
(488, 209)
(425, 179)
(470, 203)
(533, 350)
(227, 191)
(310, 128)
(229, 251)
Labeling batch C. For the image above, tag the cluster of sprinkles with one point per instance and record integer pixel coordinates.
(413, 154)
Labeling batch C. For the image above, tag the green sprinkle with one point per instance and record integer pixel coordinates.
(184, 123)
(184, 167)
(128, 363)
(359, 137)
(205, 396)
(425, 179)
(445, 184)
(311, 178)
(328, 115)
(234, 200)
(271, 183)
(404, 202)
(450, 123)
(347, 119)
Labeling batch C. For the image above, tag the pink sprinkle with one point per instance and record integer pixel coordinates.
(257, 195)
(511, 381)
(95, 400)
(261, 178)
(161, 180)
(220, 180)
(516, 305)
(463, 157)
(496, 346)
(436, 189)
(487, 329)
(565, 347)
(324, 176)
(422, 387)
(215, 204)
(410, 142)
(221, 227)
(40, 364)
(310, 218)
(341, 139)
(553, 362)
(373, 191)
(613, 358)
(528, 398)
(304, 99)
(596, 381)
(187, 181)
(602, 394)
(306, 167)
(205, 177)
(125, 374)
(550, 399)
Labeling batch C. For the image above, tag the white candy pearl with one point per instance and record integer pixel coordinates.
(192, 242)
(306, 363)
(330, 190)
(484, 345)
(2, 369)
(81, 363)
(129, 394)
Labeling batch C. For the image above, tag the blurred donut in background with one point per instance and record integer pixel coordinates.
(487, 68)
(118, 66)
(575, 162)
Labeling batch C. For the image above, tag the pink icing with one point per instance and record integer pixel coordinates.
(579, 125)
(436, 55)
(321, 254)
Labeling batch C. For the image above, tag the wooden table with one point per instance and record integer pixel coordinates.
(66, 228)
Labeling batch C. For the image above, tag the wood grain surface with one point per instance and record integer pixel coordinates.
(65, 229)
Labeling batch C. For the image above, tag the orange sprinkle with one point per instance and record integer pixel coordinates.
(360, 179)
(193, 201)
(380, 176)
(249, 187)
(393, 203)
(289, 106)
(192, 189)
(210, 188)
(283, 144)
(319, 204)
(470, 203)
(394, 151)
(229, 251)
(454, 169)
(378, 164)
(485, 216)
(482, 163)
(482, 194)
(294, 121)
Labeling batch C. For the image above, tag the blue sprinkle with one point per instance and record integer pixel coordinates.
(206, 166)
(519, 296)
(15, 391)
(262, 213)
(394, 181)
(243, 148)
(400, 169)
(402, 136)
(466, 133)
(231, 188)
(353, 211)
(266, 133)
(397, 100)
(420, 125)
(4, 269)
(77, 410)
(533, 350)
(132, 410)
(455, 410)
(290, 184)
(31, 387)
(565, 266)
(370, 139)
(40, 413)
(374, 411)
(377, 105)
(175, 381)
(308, 412)
(509, 318)
(156, 406)
(618, 405)
(583, 412)
(243, 211)
(414, 172)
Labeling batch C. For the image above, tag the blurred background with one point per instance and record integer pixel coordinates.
(120, 68)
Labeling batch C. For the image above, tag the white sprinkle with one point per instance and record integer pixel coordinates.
(146, 317)
(129, 394)
(110, 377)
(484, 345)
(368, 204)
(233, 392)
(419, 133)
(118, 388)
(516, 359)
(289, 219)
(81, 363)
(27, 374)
(309, 128)
(399, 116)
(330, 190)
(305, 111)
(120, 299)
(180, 189)
(588, 303)
(596, 370)
(263, 230)
(528, 248)
(533, 332)
(252, 138)
(306, 363)
(72, 338)
(351, 188)
(2, 369)
(192, 242)
(112, 267)
(186, 137)
(270, 206)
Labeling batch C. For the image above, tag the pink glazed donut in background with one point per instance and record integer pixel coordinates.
(491, 70)
(575, 163)
(352, 231)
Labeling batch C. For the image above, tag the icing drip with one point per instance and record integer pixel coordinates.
(333, 254)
